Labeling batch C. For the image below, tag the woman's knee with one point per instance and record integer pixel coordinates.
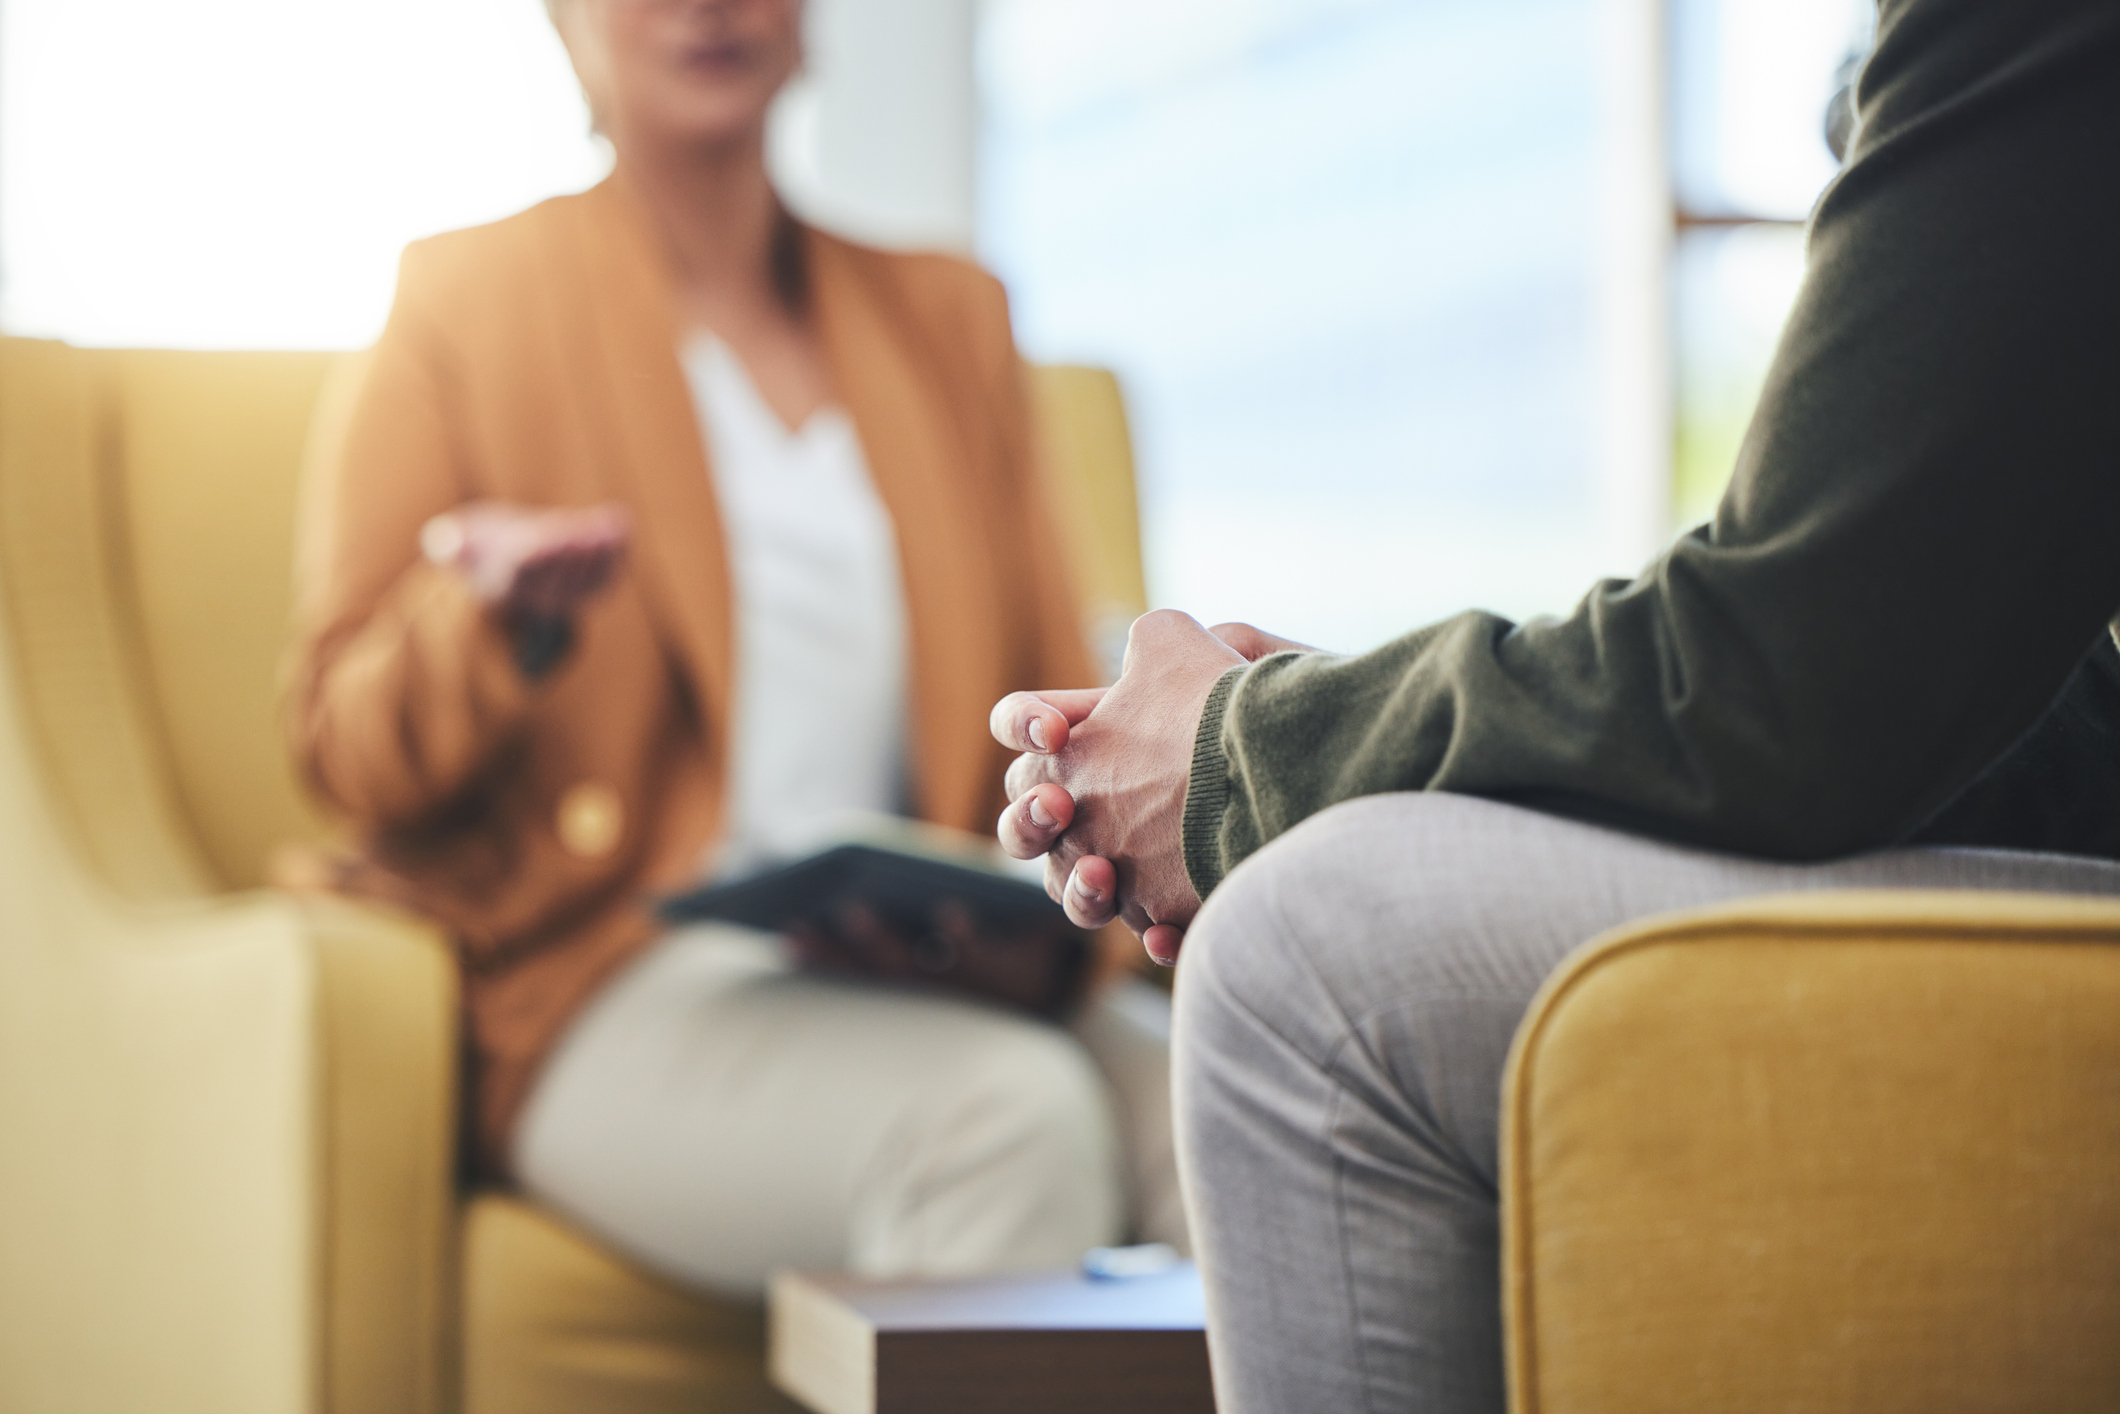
(1045, 1078)
(1025, 1096)
(1009, 1158)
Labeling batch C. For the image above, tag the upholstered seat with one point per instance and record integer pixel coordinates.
(229, 1180)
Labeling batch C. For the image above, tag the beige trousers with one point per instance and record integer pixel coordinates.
(717, 1115)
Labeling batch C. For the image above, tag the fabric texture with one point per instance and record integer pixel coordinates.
(1912, 561)
(1838, 1151)
(535, 360)
(555, 1324)
(1346, 1004)
(718, 1116)
(818, 726)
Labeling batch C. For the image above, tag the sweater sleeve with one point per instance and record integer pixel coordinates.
(402, 687)
(1916, 548)
(2055, 789)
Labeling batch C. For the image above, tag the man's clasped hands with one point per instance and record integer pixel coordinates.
(1099, 790)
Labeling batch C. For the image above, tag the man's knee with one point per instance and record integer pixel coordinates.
(1387, 914)
(1288, 918)
(1251, 967)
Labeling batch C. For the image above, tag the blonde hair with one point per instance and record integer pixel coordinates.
(552, 13)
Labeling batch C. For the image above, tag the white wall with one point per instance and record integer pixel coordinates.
(230, 173)
(880, 137)
(1631, 308)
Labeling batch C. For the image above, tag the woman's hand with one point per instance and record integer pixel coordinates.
(1040, 968)
(529, 564)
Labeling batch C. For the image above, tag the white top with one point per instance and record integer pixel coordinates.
(819, 726)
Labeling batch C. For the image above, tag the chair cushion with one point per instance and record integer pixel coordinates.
(553, 1324)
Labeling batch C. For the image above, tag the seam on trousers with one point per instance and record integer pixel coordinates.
(1341, 1221)
(1353, 1035)
(1436, 1111)
(1327, 1069)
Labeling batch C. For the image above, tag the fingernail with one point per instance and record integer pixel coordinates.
(1084, 890)
(1036, 732)
(1040, 816)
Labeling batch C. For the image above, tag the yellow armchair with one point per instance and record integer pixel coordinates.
(1840, 1152)
(228, 1112)
(227, 1181)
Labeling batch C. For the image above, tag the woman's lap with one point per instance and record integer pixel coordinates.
(1346, 1006)
(717, 1116)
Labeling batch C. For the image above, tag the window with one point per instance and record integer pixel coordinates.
(1344, 255)
(1750, 84)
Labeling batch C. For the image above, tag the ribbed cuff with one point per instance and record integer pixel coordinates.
(1207, 790)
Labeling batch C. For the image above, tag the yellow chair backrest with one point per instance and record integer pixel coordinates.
(181, 1219)
(1089, 458)
(146, 516)
(147, 504)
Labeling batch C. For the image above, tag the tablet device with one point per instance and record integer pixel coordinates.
(903, 876)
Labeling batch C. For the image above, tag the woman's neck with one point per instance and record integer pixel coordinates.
(721, 223)
(716, 212)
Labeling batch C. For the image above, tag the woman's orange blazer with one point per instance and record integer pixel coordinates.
(535, 360)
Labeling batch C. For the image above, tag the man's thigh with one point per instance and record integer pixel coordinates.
(1415, 928)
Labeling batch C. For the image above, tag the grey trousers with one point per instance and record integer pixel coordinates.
(1345, 1006)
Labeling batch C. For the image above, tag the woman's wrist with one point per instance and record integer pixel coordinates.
(540, 642)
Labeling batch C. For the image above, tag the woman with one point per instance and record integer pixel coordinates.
(655, 527)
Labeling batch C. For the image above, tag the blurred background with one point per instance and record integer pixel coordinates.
(1445, 303)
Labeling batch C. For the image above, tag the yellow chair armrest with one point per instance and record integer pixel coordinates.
(388, 1039)
(228, 1156)
(1851, 1151)
(226, 1135)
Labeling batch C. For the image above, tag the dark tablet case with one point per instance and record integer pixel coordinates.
(898, 885)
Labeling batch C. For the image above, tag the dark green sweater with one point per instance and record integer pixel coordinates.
(1919, 550)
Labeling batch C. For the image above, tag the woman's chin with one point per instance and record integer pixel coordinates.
(702, 120)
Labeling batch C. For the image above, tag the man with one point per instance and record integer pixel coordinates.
(1892, 635)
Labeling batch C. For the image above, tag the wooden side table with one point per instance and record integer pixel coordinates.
(1027, 1344)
